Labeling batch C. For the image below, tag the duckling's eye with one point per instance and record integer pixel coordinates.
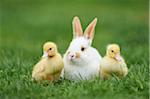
(82, 48)
(112, 51)
(50, 48)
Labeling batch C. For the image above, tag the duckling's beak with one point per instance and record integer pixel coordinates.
(118, 57)
(45, 54)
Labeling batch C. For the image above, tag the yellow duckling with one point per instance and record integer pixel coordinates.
(50, 65)
(113, 63)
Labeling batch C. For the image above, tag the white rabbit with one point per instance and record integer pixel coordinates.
(81, 61)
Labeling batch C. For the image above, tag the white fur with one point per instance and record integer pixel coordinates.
(81, 64)
(85, 68)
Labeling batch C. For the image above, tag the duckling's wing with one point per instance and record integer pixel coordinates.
(41, 69)
(38, 69)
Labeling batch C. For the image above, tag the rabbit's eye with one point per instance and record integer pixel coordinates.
(82, 48)
(112, 51)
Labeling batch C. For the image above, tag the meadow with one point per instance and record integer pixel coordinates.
(26, 24)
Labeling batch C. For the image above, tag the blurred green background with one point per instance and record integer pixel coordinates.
(27, 24)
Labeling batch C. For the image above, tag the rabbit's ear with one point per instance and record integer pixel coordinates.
(89, 31)
(77, 29)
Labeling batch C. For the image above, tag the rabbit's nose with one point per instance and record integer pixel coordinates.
(72, 56)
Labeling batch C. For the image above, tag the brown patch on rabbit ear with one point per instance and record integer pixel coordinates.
(77, 28)
(89, 31)
(77, 55)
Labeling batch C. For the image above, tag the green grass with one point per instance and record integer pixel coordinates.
(27, 24)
